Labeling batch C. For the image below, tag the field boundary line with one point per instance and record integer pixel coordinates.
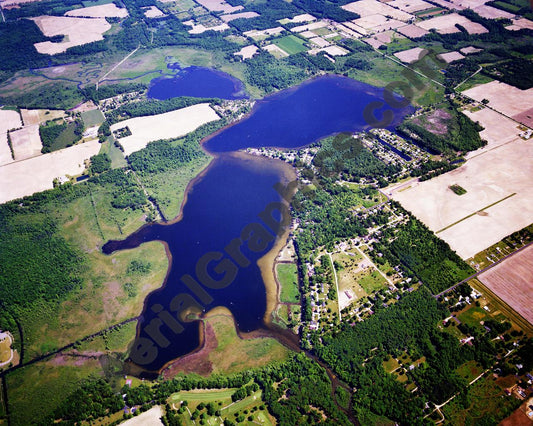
(436, 296)
(473, 214)
(116, 66)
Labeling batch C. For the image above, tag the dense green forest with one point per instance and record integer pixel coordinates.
(461, 133)
(58, 136)
(294, 391)
(326, 214)
(36, 262)
(424, 255)
(357, 352)
(346, 157)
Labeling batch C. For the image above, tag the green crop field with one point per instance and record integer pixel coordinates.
(291, 44)
(288, 279)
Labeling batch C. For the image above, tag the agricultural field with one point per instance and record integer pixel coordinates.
(446, 24)
(373, 7)
(26, 142)
(498, 129)
(496, 204)
(77, 31)
(287, 274)
(8, 120)
(39, 116)
(511, 281)
(502, 97)
(108, 10)
(169, 125)
(290, 44)
(38, 173)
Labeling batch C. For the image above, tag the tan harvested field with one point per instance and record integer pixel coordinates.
(37, 174)
(109, 10)
(410, 6)
(490, 180)
(374, 42)
(447, 5)
(16, 3)
(412, 31)
(355, 28)
(78, 31)
(499, 130)
(153, 12)
(298, 19)
(469, 50)
(378, 23)
(247, 52)
(490, 12)
(39, 116)
(334, 50)
(262, 34)
(26, 142)
(468, 4)
(519, 24)
(201, 28)
(8, 120)
(169, 125)
(411, 55)
(390, 24)
(219, 6)
(152, 417)
(445, 24)
(373, 7)
(512, 281)
(504, 98)
(5, 151)
(275, 51)
(245, 15)
(310, 27)
(450, 57)
(319, 41)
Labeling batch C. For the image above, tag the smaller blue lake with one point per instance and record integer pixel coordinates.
(197, 82)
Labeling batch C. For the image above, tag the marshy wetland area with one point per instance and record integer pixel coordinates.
(305, 212)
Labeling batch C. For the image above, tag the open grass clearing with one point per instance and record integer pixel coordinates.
(473, 315)
(92, 118)
(168, 188)
(291, 44)
(372, 281)
(234, 354)
(287, 274)
(485, 398)
(469, 371)
(55, 379)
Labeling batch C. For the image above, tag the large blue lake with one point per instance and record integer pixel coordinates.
(197, 82)
(224, 204)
